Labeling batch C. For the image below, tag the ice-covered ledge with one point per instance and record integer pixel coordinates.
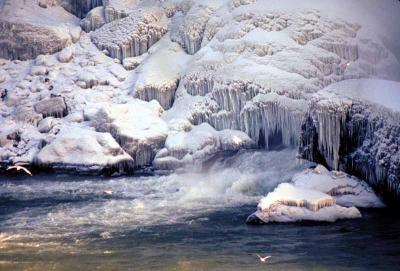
(354, 126)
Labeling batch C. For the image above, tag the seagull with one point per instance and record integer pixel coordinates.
(108, 192)
(263, 259)
(18, 167)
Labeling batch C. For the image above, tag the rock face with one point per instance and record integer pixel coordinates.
(316, 195)
(354, 126)
(27, 30)
(137, 127)
(133, 35)
(84, 151)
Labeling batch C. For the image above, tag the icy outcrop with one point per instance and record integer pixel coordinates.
(318, 195)
(94, 19)
(84, 151)
(184, 148)
(136, 126)
(159, 76)
(133, 35)
(355, 126)
(27, 30)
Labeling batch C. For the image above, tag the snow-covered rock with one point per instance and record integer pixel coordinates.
(159, 75)
(27, 30)
(83, 150)
(288, 203)
(316, 195)
(94, 19)
(355, 126)
(137, 126)
(133, 35)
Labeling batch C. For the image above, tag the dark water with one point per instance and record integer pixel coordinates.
(180, 222)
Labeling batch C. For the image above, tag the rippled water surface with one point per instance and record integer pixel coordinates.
(184, 221)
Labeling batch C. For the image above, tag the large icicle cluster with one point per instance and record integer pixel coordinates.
(132, 35)
(27, 30)
(355, 126)
(267, 99)
(317, 195)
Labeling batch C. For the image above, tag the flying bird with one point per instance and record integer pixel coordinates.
(263, 259)
(19, 167)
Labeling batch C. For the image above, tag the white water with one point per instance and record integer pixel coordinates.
(75, 208)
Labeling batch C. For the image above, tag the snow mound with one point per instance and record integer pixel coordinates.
(137, 126)
(317, 195)
(84, 150)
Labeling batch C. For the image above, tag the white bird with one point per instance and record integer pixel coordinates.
(19, 167)
(263, 259)
(108, 192)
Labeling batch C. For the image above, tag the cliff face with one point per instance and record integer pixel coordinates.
(359, 135)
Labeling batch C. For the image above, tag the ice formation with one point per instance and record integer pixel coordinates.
(84, 151)
(354, 126)
(132, 35)
(317, 195)
(27, 30)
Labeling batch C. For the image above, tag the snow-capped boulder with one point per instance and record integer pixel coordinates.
(288, 203)
(83, 150)
(354, 125)
(65, 55)
(317, 195)
(27, 30)
(46, 124)
(137, 126)
(133, 35)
